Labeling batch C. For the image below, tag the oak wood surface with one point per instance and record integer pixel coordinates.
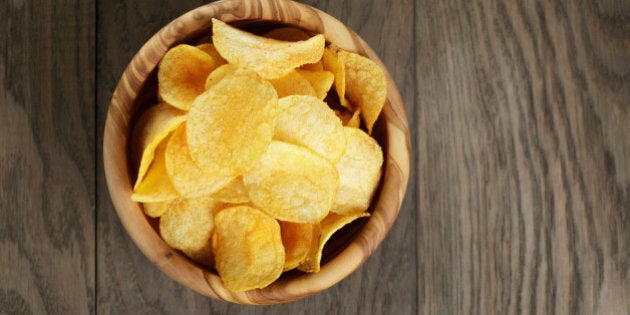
(519, 199)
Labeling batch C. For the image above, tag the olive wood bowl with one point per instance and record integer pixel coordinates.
(136, 90)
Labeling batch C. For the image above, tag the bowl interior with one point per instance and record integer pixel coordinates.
(137, 91)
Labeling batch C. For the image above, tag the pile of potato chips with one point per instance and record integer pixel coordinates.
(248, 168)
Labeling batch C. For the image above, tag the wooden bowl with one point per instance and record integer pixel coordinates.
(136, 90)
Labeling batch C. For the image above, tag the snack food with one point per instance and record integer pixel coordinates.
(248, 170)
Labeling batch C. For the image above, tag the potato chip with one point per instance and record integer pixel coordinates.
(152, 127)
(248, 248)
(187, 178)
(234, 192)
(155, 209)
(309, 122)
(331, 224)
(333, 63)
(317, 66)
(297, 239)
(218, 74)
(182, 74)
(292, 183)
(293, 84)
(155, 186)
(366, 86)
(321, 81)
(270, 58)
(289, 34)
(359, 173)
(355, 120)
(188, 226)
(230, 126)
(209, 49)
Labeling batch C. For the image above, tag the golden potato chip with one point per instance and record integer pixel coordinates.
(155, 209)
(297, 239)
(209, 49)
(289, 34)
(219, 73)
(270, 58)
(188, 226)
(292, 183)
(366, 86)
(234, 192)
(187, 178)
(230, 126)
(333, 63)
(309, 122)
(359, 173)
(182, 74)
(293, 84)
(331, 224)
(155, 186)
(321, 81)
(152, 127)
(248, 248)
(317, 66)
(355, 120)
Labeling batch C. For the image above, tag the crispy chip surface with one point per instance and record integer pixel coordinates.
(270, 58)
(209, 49)
(359, 173)
(153, 126)
(366, 86)
(297, 239)
(355, 120)
(291, 183)
(234, 192)
(155, 209)
(188, 225)
(230, 126)
(331, 224)
(294, 83)
(182, 74)
(155, 186)
(321, 81)
(187, 178)
(333, 63)
(248, 248)
(309, 122)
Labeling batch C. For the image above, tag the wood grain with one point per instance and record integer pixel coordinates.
(523, 139)
(47, 157)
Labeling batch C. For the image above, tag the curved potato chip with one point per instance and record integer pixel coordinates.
(155, 186)
(309, 122)
(321, 81)
(188, 225)
(219, 73)
(331, 224)
(366, 86)
(270, 58)
(153, 126)
(230, 126)
(248, 248)
(291, 183)
(293, 84)
(155, 209)
(289, 34)
(234, 192)
(317, 66)
(297, 239)
(333, 63)
(359, 173)
(209, 49)
(182, 74)
(355, 120)
(187, 178)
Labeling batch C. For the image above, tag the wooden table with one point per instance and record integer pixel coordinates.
(519, 198)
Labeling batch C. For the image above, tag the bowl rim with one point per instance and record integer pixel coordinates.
(170, 261)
